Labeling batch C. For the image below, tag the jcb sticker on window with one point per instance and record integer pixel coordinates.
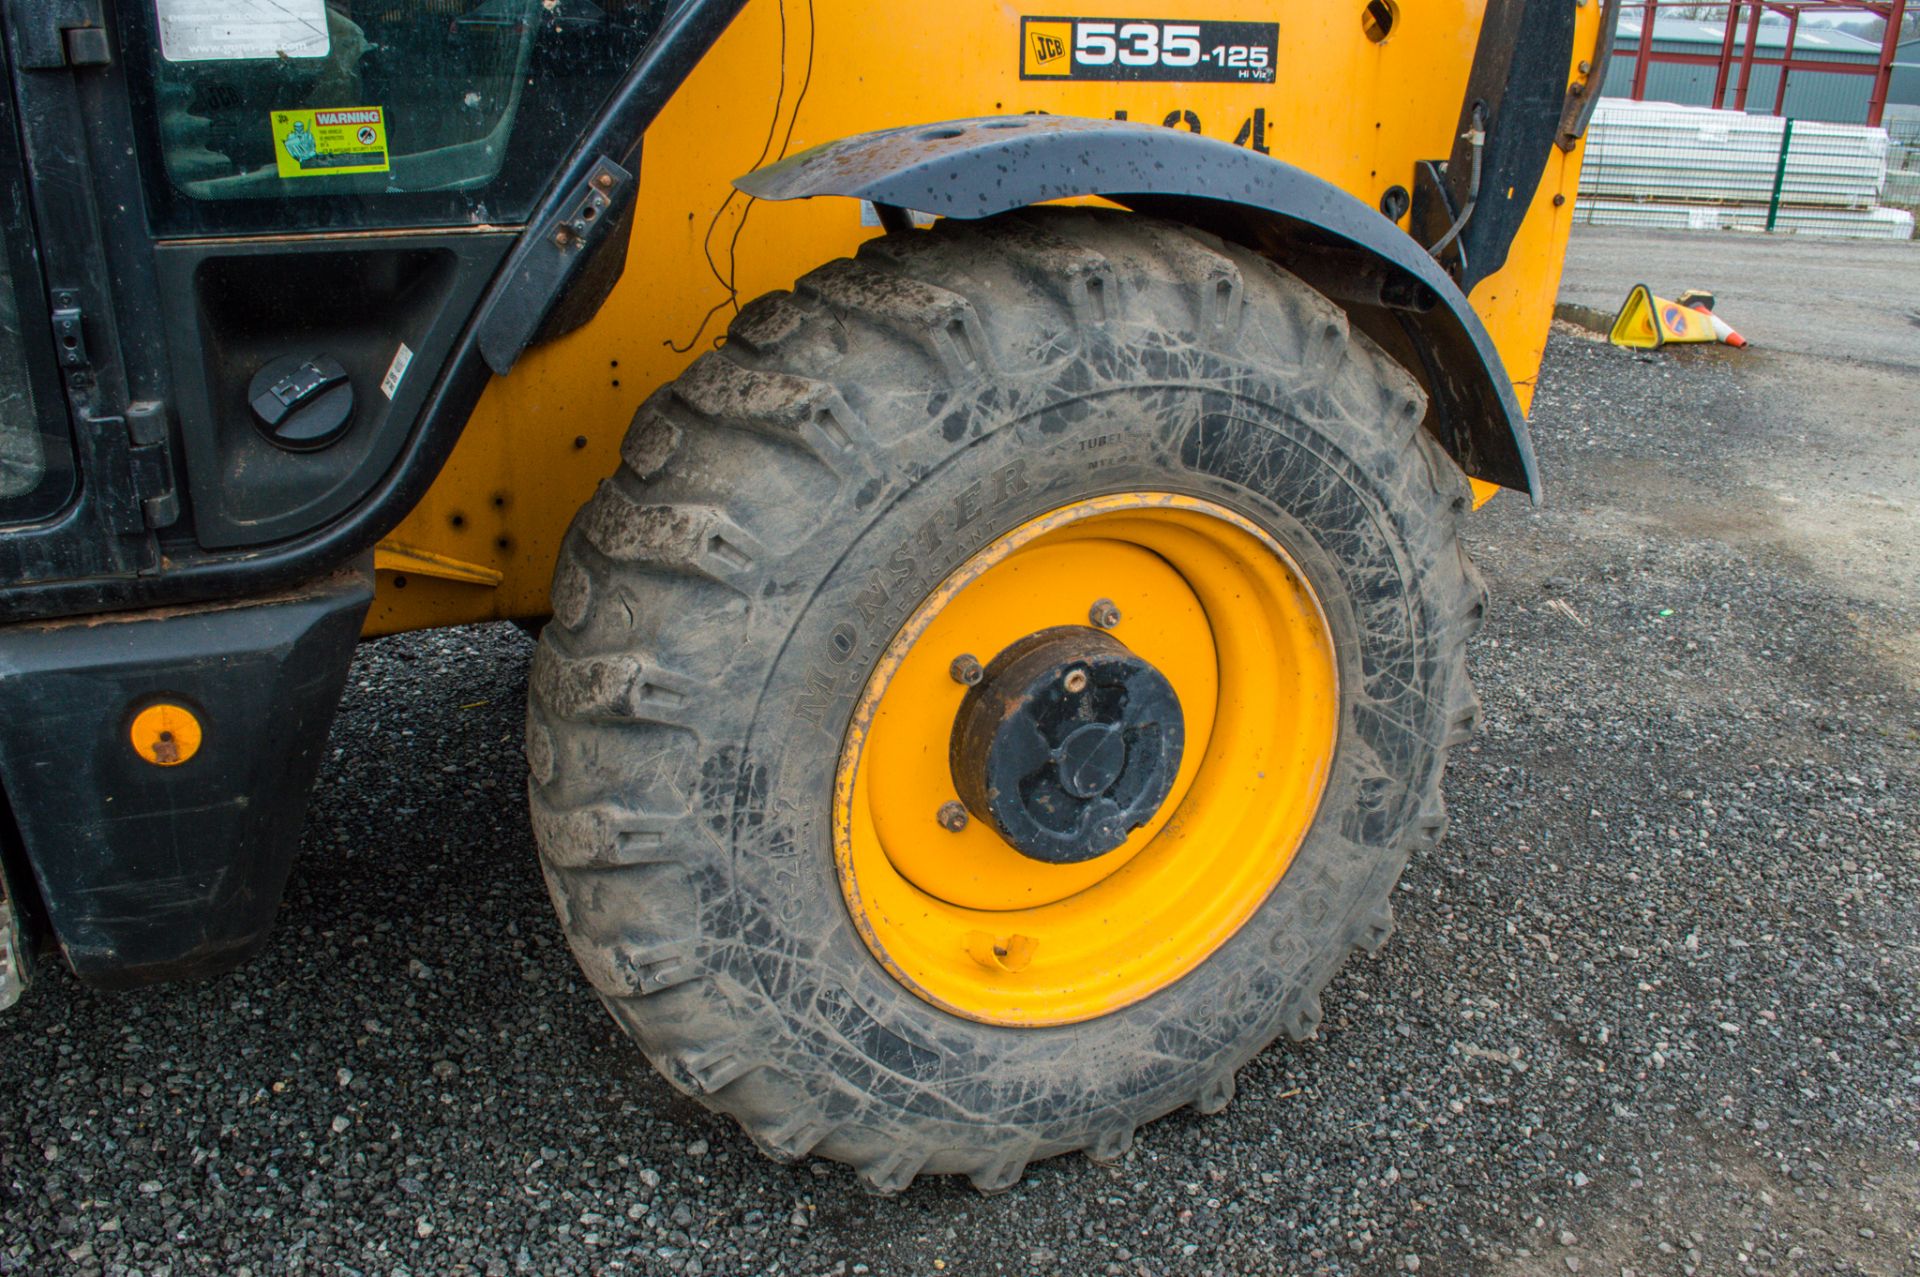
(347, 139)
(1147, 49)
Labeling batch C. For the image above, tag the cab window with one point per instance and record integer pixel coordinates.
(288, 114)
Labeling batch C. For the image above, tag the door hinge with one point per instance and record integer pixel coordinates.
(65, 33)
(69, 330)
(150, 465)
(549, 261)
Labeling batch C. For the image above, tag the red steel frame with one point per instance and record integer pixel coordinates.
(1892, 10)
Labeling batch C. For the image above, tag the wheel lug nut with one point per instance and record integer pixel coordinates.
(953, 817)
(1075, 681)
(1104, 614)
(966, 670)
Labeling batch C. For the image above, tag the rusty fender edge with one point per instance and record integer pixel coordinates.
(1392, 289)
(146, 872)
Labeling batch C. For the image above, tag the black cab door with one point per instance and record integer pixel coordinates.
(260, 256)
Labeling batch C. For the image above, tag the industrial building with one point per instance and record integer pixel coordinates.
(1687, 65)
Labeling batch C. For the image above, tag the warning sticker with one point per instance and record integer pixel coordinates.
(225, 30)
(396, 371)
(1146, 49)
(347, 139)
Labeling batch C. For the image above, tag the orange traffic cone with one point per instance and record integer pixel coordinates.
(1721, 328)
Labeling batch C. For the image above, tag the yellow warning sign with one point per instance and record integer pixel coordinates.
(344, 139)
(1048, 48)
(1649, 322)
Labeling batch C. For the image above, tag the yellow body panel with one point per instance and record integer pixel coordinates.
(804, 72)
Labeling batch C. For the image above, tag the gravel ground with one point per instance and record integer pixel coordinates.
(1651, 1007)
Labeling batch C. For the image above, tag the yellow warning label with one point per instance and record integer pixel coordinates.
(344, 139)
(1649, 322)
(1048, 47)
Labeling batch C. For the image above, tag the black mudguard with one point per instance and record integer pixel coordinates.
(1393, 290)
(147, 872)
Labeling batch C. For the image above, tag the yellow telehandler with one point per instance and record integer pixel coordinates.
(988, 481)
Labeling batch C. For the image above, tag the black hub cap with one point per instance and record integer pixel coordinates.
(1069, 744)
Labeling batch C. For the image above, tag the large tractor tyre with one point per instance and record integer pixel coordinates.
(998, 690)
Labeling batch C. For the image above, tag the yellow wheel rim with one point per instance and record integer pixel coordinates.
(972, 925)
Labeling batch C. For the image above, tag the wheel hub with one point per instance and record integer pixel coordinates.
(1068, 744)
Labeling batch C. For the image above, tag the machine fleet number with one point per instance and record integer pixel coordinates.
(1143, 49)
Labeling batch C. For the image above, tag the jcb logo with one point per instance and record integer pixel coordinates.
(1049, 49)
(1149, 50)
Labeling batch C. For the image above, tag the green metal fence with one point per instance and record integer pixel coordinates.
(1663, 166)
(1902, 189)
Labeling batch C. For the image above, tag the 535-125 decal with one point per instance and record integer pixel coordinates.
(1147, 49)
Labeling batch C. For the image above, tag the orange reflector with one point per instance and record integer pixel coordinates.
(166, 735)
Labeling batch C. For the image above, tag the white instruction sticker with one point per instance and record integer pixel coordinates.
(390, 384)
(223, 30)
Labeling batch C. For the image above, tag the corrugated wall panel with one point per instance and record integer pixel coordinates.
(1905, 88)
